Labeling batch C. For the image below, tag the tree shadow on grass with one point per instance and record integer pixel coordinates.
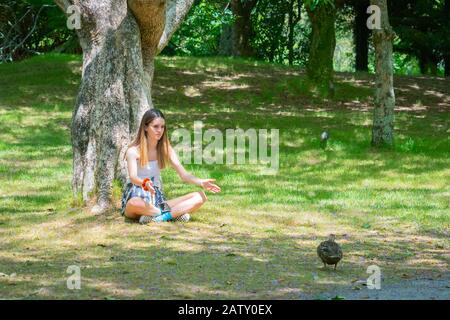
(198, 261)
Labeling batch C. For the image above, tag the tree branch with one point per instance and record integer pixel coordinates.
(296, 17)
(32, 29)
(63, 4)
(176, 10)
(299, 8)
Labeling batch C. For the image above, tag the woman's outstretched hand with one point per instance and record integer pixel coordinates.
(208, 184)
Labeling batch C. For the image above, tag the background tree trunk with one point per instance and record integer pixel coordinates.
(383, 120)
(323, 44)
(118, 53)
(447, 66)
(361, 35)
(291, 33)
(428, 63)
(447, 44)
(226, 41)
(293, 20)
(242, 27)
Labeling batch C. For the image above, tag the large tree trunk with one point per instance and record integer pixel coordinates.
(242, 27)
(323, 43)
(119, 46)
(361, 35)
(383, 120)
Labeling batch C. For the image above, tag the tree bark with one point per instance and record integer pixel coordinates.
(446, 48)
(447, 66)
(291, 33)
(119, 42)
(226, 41)
(323, 43)
(361, 35)
(384, 102)
(428, 63)
(242, 27)
(293, 20)
(226, 37)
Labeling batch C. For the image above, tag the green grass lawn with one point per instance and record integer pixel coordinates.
(257, 238)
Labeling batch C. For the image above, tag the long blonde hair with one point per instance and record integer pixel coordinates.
(141, 140)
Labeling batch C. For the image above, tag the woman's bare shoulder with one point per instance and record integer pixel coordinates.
(133, 152)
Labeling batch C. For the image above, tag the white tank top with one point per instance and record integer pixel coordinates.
(150, 170)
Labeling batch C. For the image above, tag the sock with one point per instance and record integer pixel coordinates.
(166, 216)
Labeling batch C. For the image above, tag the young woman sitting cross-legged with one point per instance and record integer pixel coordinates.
(146, 156)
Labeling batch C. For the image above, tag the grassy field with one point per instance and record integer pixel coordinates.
(257, 238)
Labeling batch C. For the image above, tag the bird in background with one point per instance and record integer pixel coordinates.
(324, 139)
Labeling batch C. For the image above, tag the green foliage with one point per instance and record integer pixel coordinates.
(200, 33)
(313, 4)
(405, 64)
(422, 27)
(270, 31)
(270, 24)
(423, 30)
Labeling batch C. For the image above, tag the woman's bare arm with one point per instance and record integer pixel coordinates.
(189, 178)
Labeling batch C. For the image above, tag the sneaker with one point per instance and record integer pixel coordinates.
(183, 218)
(145, 219)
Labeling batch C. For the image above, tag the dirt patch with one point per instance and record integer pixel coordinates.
(410, 289)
